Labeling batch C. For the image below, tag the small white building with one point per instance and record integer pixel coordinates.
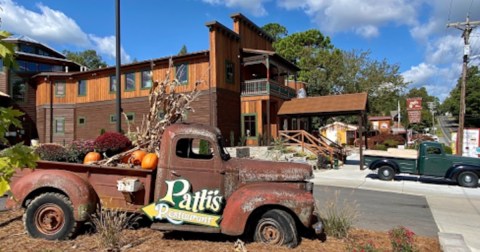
(340, 133)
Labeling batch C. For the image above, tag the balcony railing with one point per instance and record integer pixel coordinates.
(265, 87)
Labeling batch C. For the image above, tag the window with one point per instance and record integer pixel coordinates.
(181, 73)
(194, 148)
(19, 90)
(229, 72)
(113, 83)
(59, 125)
(59, 89)
(130, 82)
(146, 80)
(130, 117)
(249, 125)
(433, 150)
(82, 121)
(1, 65)
(27, 48)
(82, 88)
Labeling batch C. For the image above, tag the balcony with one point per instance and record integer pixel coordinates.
(267, 87)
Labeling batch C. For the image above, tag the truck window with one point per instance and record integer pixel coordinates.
(433, 150)
(194, 148)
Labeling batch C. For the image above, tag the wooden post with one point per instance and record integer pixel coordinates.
(360, 132)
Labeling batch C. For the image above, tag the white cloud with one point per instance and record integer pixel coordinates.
(255, 7)
(362, 17)
(47, 25)
(106, 45)
(53, 26)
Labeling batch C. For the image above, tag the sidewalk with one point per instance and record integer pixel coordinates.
(455, 209)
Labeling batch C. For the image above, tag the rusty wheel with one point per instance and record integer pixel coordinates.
(50, 216)
(276, 227)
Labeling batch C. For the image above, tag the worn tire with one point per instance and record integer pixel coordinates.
(467, 179)
(50, 216)
(386, 173)
(277, 227)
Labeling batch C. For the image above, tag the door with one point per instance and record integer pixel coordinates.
(434, 162)
(195, 160)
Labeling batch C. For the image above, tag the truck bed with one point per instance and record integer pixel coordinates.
(104, 181)
(406, 159)
(393, 152)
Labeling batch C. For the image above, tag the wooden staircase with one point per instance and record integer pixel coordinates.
(321, 146)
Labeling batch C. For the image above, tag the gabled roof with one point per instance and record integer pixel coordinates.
(271, 54)
(332, 104)
(341, 124)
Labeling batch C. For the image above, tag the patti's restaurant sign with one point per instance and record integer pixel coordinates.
(414, 109)
(180, 205)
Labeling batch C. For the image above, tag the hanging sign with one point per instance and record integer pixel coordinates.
(180, 206)
(414, 103)
(414, 116)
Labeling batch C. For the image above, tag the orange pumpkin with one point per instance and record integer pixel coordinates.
(150, 161)
(137, 157)
(92, 157)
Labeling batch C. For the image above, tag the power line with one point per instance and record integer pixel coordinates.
(466, 28)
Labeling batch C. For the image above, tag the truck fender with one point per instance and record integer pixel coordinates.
(82, 195)
(244, 201)
(381, 162)
(453, 172)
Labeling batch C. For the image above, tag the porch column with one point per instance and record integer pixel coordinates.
(268, 100)
(360, 132)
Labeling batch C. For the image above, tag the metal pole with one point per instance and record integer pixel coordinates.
(117, 69)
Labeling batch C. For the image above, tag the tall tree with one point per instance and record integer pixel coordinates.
(275, 30)
(88, 58)
(183, 50)
(472, 98)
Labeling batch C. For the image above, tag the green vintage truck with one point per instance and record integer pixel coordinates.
(430, 161)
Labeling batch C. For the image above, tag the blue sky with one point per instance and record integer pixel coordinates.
(410, 33)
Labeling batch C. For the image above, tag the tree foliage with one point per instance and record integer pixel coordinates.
(7, 50)
(17, 156)
(183, 50)
(472, 98)
(88, 58)
(276, 31)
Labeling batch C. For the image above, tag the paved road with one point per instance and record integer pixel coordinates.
(383, 211)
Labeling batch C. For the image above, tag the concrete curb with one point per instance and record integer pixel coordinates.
(452, 242)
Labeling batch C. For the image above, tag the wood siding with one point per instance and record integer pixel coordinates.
(251, 36)
(98, 83)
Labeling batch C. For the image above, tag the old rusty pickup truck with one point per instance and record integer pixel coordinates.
(190, 190)
(430, 161)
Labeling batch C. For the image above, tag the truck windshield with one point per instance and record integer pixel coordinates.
(223, 152)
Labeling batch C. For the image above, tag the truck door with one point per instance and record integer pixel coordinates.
(434, 161)
(195, 159)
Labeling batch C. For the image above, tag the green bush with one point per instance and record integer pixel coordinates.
(52, 152)
(380, 147)
(448, 149)
(204, 147)
(390, 143)
(402, 239)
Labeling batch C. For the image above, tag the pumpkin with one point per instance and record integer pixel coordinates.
(137, 156)
(92, 157)
(150, 161)
(126, 158)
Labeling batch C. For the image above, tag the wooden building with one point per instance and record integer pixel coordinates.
(242, 85)
(18, 87)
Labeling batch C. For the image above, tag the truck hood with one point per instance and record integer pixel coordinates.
(268, 171)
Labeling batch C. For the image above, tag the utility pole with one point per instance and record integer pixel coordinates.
(118, 103)
(467, 28)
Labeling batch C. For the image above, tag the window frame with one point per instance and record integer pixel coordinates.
(84, 121)
(186, 73)
(112, 78)
(227, 64)
(243, 125)
(55, 129)
(78, 87)
(64, 83)
(142, 79)
(25, 92)
(126, 82)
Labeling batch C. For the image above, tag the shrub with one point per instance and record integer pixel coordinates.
(112, 143)
(402, 239)
(390, 143)
(78, 149)
(338, 217)
(448, 149)
(380, 147)
(109, 225)
(52, 152)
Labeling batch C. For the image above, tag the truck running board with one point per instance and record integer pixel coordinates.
(184, 227)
